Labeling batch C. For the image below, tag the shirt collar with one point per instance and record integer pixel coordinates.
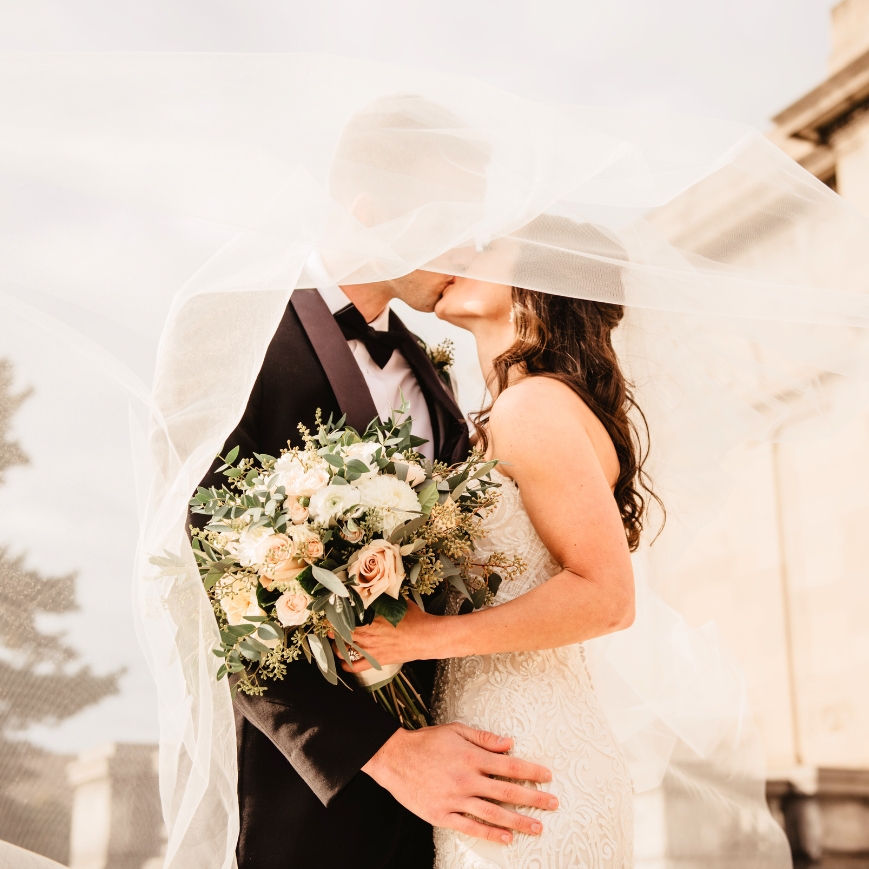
(336, 300)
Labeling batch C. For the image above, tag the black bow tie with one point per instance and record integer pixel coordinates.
(379, 345)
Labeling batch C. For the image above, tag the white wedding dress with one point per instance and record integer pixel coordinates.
(545, 700)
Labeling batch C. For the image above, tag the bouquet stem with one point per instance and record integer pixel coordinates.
(395, 692)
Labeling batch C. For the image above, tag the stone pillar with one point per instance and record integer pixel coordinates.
(116, 818)
(850, 32)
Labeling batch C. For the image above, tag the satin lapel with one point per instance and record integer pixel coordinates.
(331, 348)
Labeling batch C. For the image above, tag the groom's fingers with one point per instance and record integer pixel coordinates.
(470, 827)
(517, 795)
(482, 738)
(497, 816)
(515, 768)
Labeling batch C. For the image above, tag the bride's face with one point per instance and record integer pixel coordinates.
(472, 304)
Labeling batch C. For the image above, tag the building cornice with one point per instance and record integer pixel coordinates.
(830, 106)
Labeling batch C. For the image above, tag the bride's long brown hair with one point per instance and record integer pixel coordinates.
(570, 340)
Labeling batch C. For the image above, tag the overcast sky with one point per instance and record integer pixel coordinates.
(742, 60)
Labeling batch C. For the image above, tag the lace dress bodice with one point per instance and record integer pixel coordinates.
(545, 701)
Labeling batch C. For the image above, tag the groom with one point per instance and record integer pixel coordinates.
(326, 776)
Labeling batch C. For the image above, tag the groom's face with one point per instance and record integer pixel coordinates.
(421, 290)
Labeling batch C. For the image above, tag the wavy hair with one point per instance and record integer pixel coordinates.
(570, 340)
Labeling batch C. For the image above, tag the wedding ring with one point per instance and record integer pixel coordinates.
(354, 655)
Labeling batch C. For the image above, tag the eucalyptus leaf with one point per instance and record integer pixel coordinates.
(340, 619)
(478, 598)
(249, 651)
(232, 455)
(358, 467)
(495, 581)
(270, 631)
(459, 583)
(414, 572)
(428, 497)
(322, 652)
(328, 580)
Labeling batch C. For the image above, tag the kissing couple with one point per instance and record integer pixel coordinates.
(521, 767)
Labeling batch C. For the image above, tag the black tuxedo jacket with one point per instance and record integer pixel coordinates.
(301, 746)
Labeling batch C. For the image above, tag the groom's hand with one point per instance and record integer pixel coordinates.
(444, 773)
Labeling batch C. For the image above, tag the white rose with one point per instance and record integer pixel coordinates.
(331, 502)
(311, 481)
(393, 497)
(415, 474)
(291, 474)
(363, 451)
(237, 606)
(292, 607)
(253, 545)
(377, 568)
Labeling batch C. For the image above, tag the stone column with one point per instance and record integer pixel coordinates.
(116, 818)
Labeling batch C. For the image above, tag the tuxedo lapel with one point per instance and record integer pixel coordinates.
(330, 345)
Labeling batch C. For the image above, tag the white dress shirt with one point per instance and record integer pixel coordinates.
(388, 384)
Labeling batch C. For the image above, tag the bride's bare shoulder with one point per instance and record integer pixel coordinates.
(534, 410)
(536, 398)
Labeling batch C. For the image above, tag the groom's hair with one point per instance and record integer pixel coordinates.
(404, 152)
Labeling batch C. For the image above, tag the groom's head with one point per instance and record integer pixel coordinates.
(405, 167)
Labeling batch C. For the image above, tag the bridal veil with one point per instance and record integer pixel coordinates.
(158, 210)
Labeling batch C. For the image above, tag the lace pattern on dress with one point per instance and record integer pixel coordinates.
(546, 702)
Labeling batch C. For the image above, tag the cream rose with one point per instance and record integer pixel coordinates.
(292, 608)
(393, 497)
(252, 545)
(237, 606)
(297, 481)
(415, 474)
(377, 568)
(332, 501)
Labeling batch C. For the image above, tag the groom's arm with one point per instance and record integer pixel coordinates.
(326, 732)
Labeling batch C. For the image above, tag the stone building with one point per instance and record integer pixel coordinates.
(793, 536)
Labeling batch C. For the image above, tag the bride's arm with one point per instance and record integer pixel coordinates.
(538, 428)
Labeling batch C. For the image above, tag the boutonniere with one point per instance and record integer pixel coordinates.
(442, 358)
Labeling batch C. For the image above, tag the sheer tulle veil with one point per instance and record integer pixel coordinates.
(241, 177)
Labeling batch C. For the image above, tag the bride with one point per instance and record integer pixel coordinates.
(572, 509)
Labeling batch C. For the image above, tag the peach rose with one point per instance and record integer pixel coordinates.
(312, 549)
(294, 509)
(377, 568)
(282, 572)
(292, 608)
(237, 606)
(353, 536)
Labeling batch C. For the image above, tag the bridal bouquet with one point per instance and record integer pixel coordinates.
(305, 547)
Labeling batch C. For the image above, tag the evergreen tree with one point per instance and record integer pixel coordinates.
(42, 680)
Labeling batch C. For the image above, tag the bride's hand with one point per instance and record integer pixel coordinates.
(393, 645)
